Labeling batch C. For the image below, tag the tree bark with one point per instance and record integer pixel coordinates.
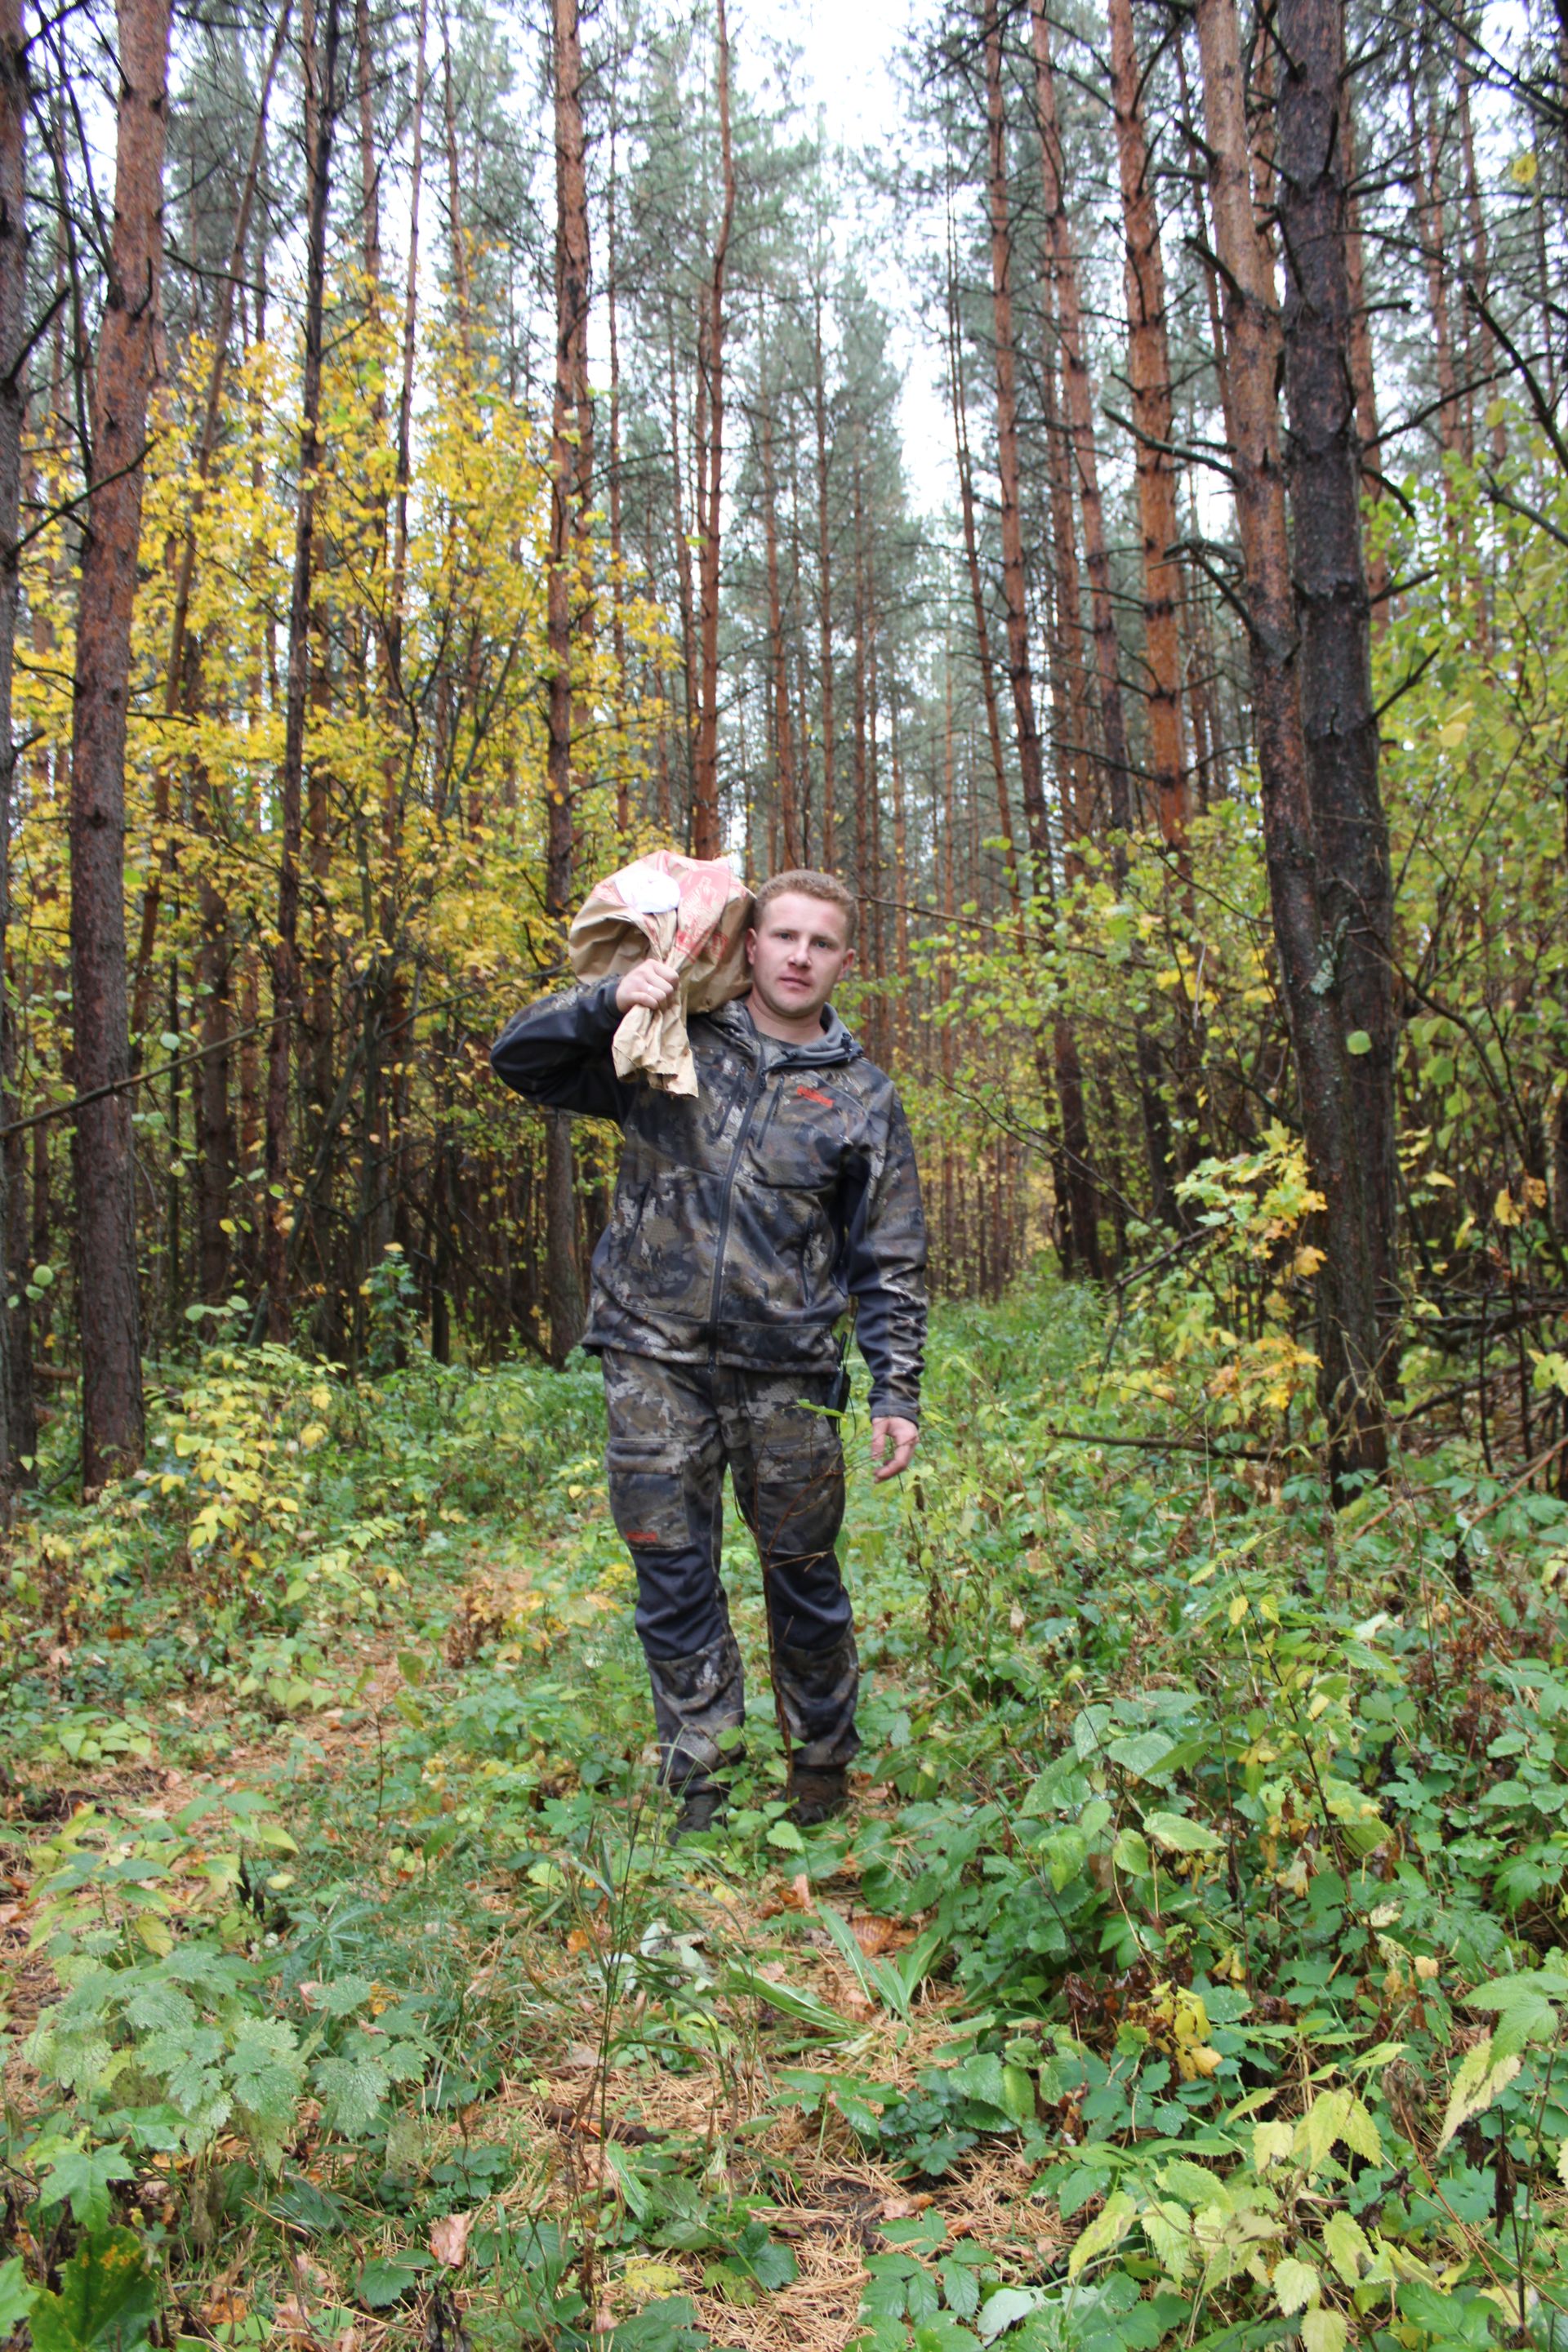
(1083, 1201)
(1149, 371)
(369, 170)
(1339, 719)
(618, 557)
(1348, 1340)
(569, 456)
(778, 655)
(824, 575)
(1429, 226)
(321, 107)
(1363, 376)
(958, 396)
(1079, 400)
(1020, 677)
(13, 406)
(707, 838)
(405, 457)
(128, 357)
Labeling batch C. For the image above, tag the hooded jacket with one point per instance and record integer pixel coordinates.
(747, 1219)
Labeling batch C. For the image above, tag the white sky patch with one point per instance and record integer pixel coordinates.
(846, 52)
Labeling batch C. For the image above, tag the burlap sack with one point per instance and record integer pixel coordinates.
(693, 913)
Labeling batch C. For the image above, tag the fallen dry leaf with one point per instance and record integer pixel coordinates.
(903, 2208)
(877, 1935)
(226, 2309)
(449, 2240)
(291, 2318)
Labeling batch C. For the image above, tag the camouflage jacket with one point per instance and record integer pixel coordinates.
(747, 1219)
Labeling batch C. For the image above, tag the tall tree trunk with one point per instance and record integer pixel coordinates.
(617, 555)
(1355, 888)
(1083, 1201)
(959, 399)
(1080, 400)
(1480, 256)
(321, 109)
(1015, 595)
(206, 444)
(127, 361)
(457, 241)
(1058, 1064)
(1363, 377)
(685, 593)
(707, 838)
(1347, 1323)
(1080, 403)
(1428, 187)
(825, 575)
(369, 170)
(1149, 370)
(778, 652)
(404, 456)
(13, 406)
(568, 497)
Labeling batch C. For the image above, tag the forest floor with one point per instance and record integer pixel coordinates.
(1187, 1971)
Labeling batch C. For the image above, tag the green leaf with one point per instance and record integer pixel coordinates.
(385, 2282)
(1141, 1753)
(1482, 2077)
(352, 2090)
(1177, 1835)
(792, 2001)
(1296, 2285)
(105, 2299)
(961, 2289)
(1130, 1853)
(1004, 2310)
(1524, 2003)
(17, 2297)
(1107, 2229)
(1358, 1041)
(1346, 2244)
(85, 2177)
(343, 1995)
(1323, 2331)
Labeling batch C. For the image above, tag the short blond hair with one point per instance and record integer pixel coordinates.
(806, 882)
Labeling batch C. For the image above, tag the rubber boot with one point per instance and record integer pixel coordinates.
(696, 1700)
(817, 1690)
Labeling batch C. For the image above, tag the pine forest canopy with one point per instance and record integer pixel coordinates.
(445, 450)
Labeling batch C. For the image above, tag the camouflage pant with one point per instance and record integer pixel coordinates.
(673, 1429)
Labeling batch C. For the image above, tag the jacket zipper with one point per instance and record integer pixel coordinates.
(759, 1085)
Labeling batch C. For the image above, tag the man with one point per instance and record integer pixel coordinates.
(747, 1223)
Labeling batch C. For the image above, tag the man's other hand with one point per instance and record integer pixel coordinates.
(902, 1436)
(650, 983)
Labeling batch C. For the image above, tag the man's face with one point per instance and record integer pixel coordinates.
(797, 954)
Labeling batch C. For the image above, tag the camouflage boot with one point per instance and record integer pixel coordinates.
(695, 1700)
(817, 1690)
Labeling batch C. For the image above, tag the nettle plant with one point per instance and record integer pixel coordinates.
(171, 2029)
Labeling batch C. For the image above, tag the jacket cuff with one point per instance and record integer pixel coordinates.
(599, 1003)
(886, 1407)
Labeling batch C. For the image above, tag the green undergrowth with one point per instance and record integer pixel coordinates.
(1219, 1845)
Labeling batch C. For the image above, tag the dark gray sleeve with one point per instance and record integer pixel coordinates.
(557, 1053)
(885, 1237)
